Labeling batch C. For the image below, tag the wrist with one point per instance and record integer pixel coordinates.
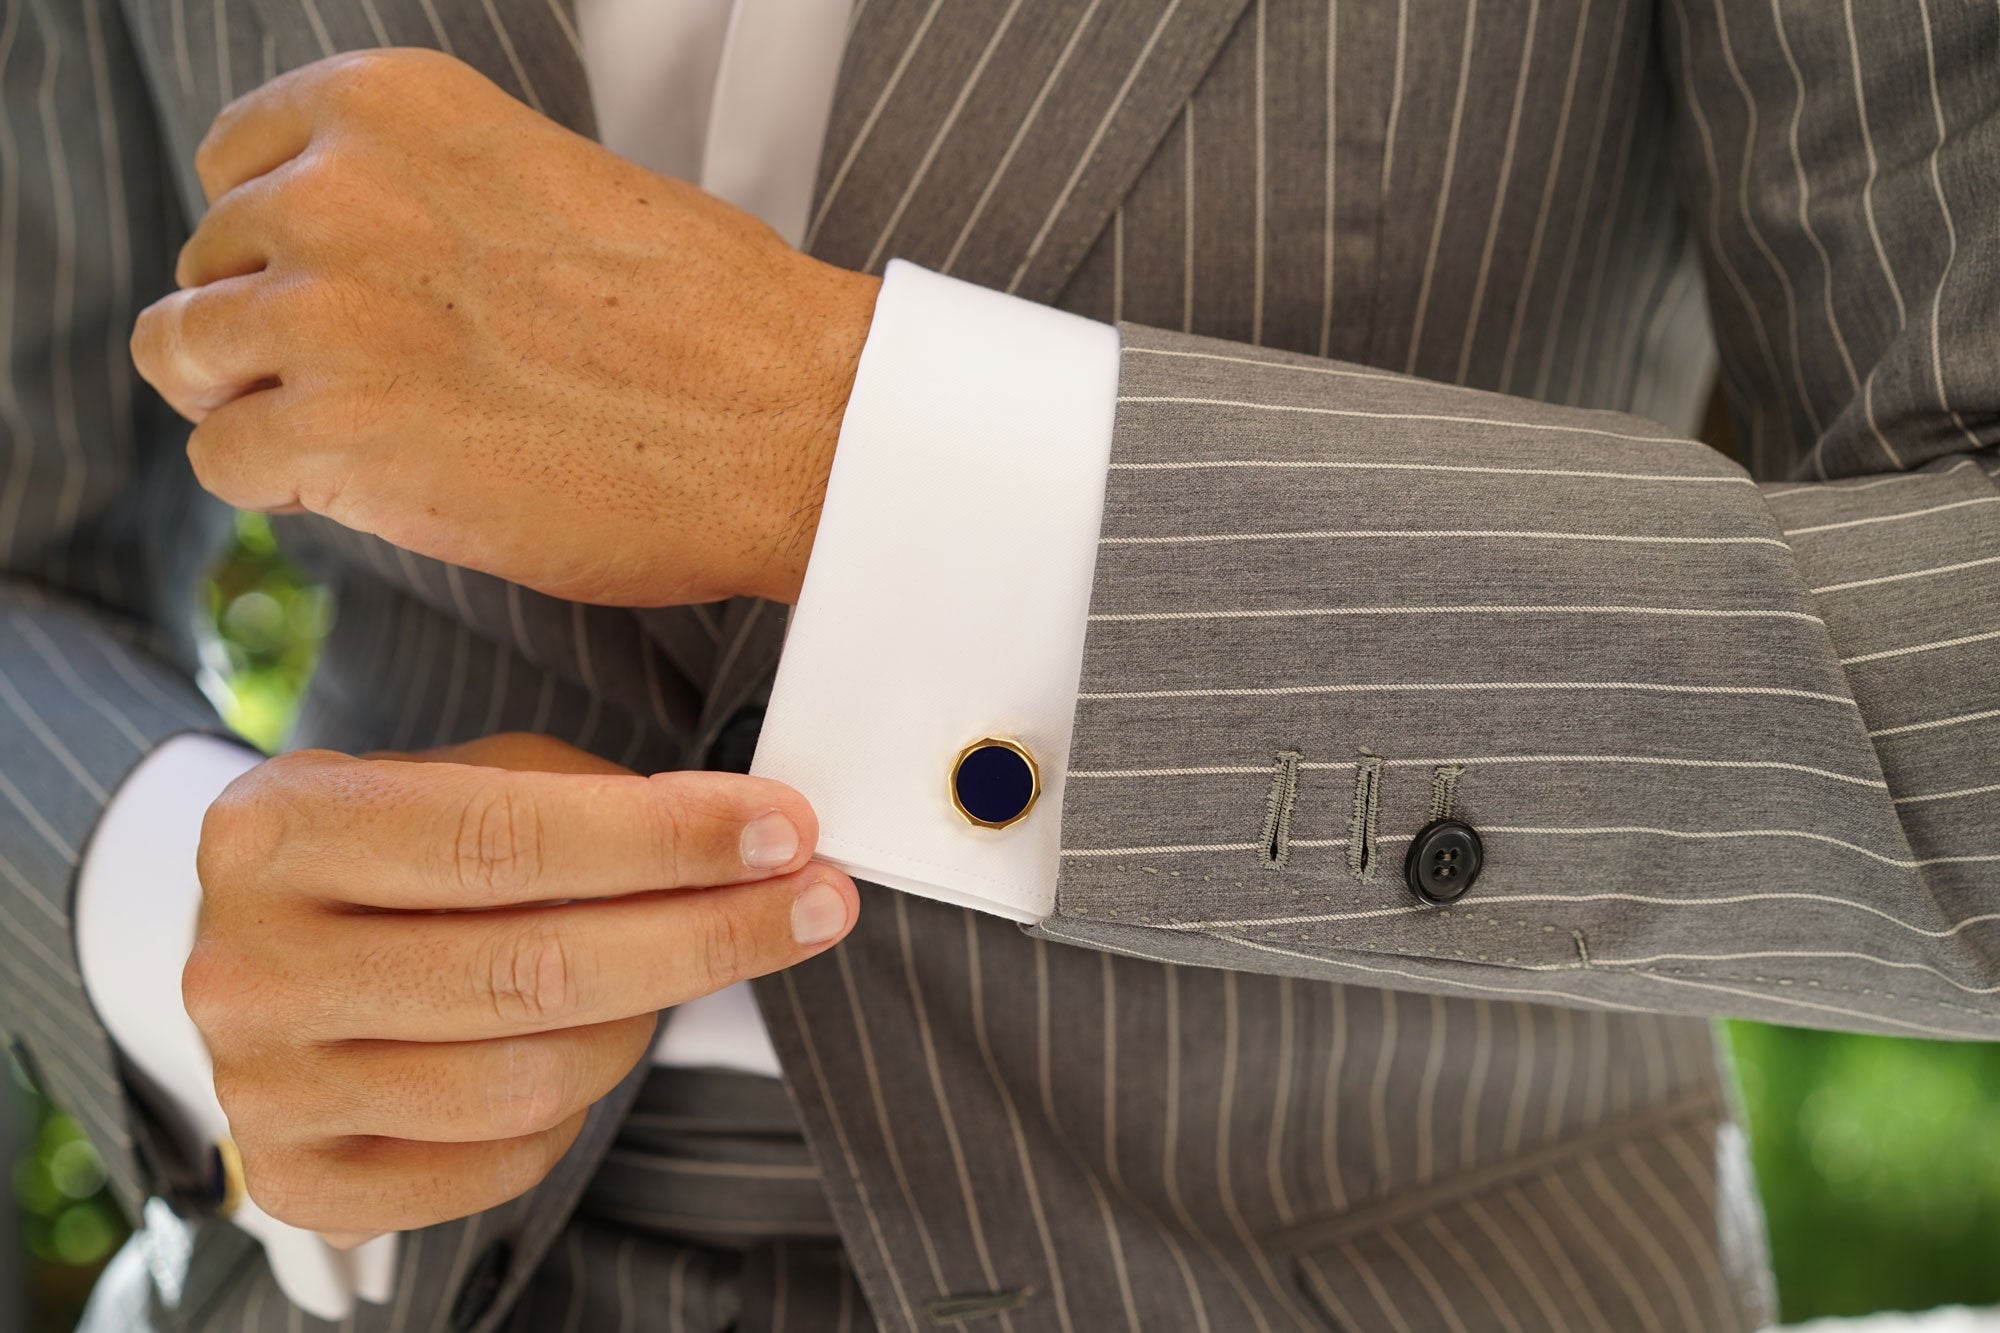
(836, 309)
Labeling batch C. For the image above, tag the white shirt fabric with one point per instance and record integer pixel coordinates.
(955, 494)
(952, 490)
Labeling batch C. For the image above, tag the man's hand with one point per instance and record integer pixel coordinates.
(425, 311)
(416, 977)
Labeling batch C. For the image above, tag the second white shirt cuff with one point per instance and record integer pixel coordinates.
(949, 588)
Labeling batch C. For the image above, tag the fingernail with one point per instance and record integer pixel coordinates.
(769, 841)
(818, 914)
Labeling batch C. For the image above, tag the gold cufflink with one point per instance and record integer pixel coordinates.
(994, 782)
(228, 1182)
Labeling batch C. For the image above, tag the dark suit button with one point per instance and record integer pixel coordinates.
(482, 1285)
(736, 744)
(1444, 859)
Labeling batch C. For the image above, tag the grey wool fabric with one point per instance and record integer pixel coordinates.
(1403, 518)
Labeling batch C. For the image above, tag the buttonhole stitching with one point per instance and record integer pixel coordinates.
(1444, 790)
(1367, 807)
(1275, 846)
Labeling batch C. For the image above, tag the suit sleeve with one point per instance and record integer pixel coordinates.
(1732, 745)
(100, 535)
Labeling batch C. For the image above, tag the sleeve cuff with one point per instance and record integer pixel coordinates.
(949, 589)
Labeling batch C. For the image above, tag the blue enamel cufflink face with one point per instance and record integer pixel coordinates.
(994, 782)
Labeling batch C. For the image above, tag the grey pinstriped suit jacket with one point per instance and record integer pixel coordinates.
(1373, 546)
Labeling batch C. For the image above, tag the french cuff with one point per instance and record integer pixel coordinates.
(137, 898)
(944, 607)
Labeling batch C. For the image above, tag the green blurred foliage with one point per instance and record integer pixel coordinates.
(269, 623)
(1879, 1159)
(68, 1222)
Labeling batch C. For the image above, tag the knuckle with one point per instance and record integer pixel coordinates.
(532, 1093)
(204, 152)
(727, 949)
(240, 831)
(672, 828)
(233, 1092)
(228, 832)
(194, 325)
(524, 1163)
(247, 1098)
(185, 262)
(289, 1186)
(162, 336)
(145, 344)
(349, 80)
(530, 975)
(369, 82)
(208, 152)
(212, 989)
(498, 846)
(214, 465)
(249, 854)
(245, 992)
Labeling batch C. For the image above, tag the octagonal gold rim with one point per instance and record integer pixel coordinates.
(1034, 781)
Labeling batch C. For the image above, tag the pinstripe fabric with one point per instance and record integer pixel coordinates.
(1626, 646)
(89, 681)
(706, 1214)
(1728, 742)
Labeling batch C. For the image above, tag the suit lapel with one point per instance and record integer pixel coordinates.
(988, 139)
(991, 139)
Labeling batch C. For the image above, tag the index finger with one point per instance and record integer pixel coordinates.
(272, 124)
(425, 836)
(258, 132)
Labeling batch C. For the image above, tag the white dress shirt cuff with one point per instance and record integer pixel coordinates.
(949, 588)
(137, 898)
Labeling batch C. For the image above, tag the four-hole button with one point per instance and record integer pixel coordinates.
(1444, 859)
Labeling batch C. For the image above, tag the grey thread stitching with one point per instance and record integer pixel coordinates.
(964, 1309)
(1444, 789)
(1367, 805)
(1275, 847)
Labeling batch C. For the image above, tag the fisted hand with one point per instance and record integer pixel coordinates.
(415, 975)
(423, 310)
